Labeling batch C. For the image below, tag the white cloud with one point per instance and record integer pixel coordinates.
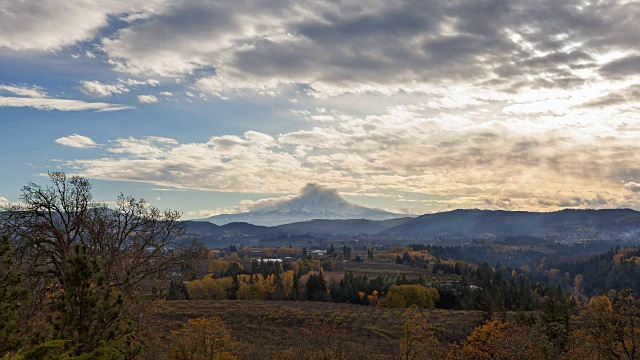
(138, 147)
(51, 25)
(59, 104)
(35, 97)
(99, 89)
(632, 186)
(76, 141)
(147, 99)
(458, 162)
(166, 93)
(96, 88)
(23, 91)
(164, 140)
(243, 206)
(4, 201)
(134, 82)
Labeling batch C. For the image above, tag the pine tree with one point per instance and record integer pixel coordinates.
(88, 312)
(11, 297)
(295, 287)
(177, 291)
(555, 321)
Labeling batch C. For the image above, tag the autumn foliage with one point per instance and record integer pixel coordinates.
(411, 295)
(611, 329)
(418, 340)
(202, 339)
(499, 340)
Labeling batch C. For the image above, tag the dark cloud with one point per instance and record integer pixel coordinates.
(608, 100)
(597, 201)
(629, 65)
(632, 186)
(623, 96)
(398, 44)
(391, 20)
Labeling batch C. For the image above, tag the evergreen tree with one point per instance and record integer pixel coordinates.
(88, 312)
(316, 287)
(233, 290)
(555, 321)
(11, 297)
(177, 291)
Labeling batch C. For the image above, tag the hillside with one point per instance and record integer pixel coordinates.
(565, 224)
(355, 226)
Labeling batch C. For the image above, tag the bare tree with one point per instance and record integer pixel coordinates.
(49, 220)
(132, 240)
(135, 240)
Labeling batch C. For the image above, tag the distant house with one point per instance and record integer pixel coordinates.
(319, 252)
(270, 260)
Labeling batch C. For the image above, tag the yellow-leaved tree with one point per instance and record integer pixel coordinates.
(408, 295)
(499, 340)
(417, 340)
(202, 339)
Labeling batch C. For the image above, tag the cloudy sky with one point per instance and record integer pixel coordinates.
(410, 106)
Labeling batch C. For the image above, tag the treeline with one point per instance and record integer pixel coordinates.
(480, 252)
(479, 288)
(514, 251)
(300, 280)
(617, 269)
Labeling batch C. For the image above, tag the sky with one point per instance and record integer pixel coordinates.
(210, 107)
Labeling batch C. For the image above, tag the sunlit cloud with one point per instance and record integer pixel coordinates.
(494, 165)
(147, 99)
(36, 98)
(58, 104)
(51, 25)
(76, 141)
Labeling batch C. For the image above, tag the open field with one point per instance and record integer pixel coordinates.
(392, 271)
(265, 329)
(375, 268)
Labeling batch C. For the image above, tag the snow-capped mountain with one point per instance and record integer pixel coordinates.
(313, 202)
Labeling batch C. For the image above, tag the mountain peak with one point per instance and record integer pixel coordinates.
(314, 201)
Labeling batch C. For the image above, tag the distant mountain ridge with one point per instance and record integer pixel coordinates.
(314, 202)
(569, 224)
(576, 223)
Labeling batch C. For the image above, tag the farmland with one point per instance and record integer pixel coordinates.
(267, 329)
(390, 272)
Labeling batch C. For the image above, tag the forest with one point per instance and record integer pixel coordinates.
(81, 279)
